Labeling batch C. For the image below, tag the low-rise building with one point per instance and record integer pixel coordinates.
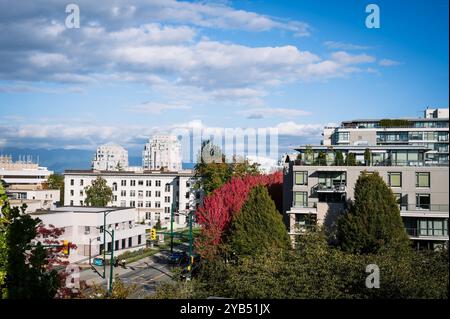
(22, 172)
(34, 196)
(84, 227)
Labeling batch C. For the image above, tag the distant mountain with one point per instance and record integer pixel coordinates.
(58, 160)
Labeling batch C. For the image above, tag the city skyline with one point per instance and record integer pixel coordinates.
(142, 69)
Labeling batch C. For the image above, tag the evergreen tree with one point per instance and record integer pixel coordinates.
(98, 194)
(257, 226)
(351, 159)
(373, 220)
(338, 158)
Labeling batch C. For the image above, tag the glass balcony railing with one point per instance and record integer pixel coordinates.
(414, 163)
(424, 207)
(426, 232)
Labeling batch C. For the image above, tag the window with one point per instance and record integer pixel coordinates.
(109, 246)
(148, 193)
(130, 241)
(81, 182)
(148, 183)
(140, 204)
(123, 243)
(167, 210)
(395, 179)
(157, 204)
(71, 192)
(132, 203)
(187, 206)
(72, 182)
(167, 199)
(140, 194)
(140, 183)
(132, 193)
(422, 179)
(116, 246)
(139, 239)
(123, 203)
(81, 193)
(114, 186)
(187, 195)
(123, 193)
(423, 201)
(157, 194)
(300, 199)
(123, 182)
(167, 188)
(301, 178)
(158, 183)
(87, 230)
(101, 229)
(132, 183)
(148, 204)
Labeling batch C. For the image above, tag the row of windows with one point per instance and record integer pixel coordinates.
(116, 244)
(394, 179)
(123, 182)
(423, 201)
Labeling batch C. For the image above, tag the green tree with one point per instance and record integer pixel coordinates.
(158, 224)
(338, 159)
(351, 159)
(257, 226)
(309, 154)
(98, 194)
(367, 157)
(56, 181)
(373, 220)
(321, 159)
(23, 264)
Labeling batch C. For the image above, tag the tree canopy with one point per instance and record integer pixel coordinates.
(98, 194)
(373, 220)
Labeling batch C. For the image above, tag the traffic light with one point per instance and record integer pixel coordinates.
(153, 234)
(66, 247)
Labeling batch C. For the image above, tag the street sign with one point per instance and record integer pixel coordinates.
(161, 238)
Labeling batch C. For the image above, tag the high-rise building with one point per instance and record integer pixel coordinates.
(162, 152)
(411, 155)
(110, 157)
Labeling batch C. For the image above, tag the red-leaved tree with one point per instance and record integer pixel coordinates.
(219, 207)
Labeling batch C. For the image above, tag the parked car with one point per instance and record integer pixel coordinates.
(178, 258)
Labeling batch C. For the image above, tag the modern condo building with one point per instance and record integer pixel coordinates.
(411, 155)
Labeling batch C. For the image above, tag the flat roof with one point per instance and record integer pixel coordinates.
(418, 119)
(125, 173)
(363, 147)
(79, 209)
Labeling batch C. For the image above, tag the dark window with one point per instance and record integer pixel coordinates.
(130, 242)
(124, 243)
(139, 239)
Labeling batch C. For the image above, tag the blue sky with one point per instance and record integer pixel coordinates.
(135, 68)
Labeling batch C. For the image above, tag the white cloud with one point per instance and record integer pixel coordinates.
(387, 62)
(258, 113)
(338, 45)
(156, 108)
(346, 58)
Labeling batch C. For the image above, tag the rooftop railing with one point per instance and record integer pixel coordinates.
(415, 163)
(426, 232)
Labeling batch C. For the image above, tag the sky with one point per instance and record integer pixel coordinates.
(137, 68)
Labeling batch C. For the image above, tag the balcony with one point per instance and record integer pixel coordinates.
(335, 188)
(427, 233)
(424, 210)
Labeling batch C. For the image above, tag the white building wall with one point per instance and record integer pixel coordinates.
(162, 151)
(109, 157)
(146, 192)
(82, 229)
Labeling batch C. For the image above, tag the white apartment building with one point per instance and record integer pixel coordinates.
(110, 157)
(22, 172)
(83, 226)
(152, 193)
(162, 151)
(34, 196)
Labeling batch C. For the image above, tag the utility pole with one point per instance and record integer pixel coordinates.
(171, 229)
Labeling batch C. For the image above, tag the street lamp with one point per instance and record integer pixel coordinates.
(111, 233)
